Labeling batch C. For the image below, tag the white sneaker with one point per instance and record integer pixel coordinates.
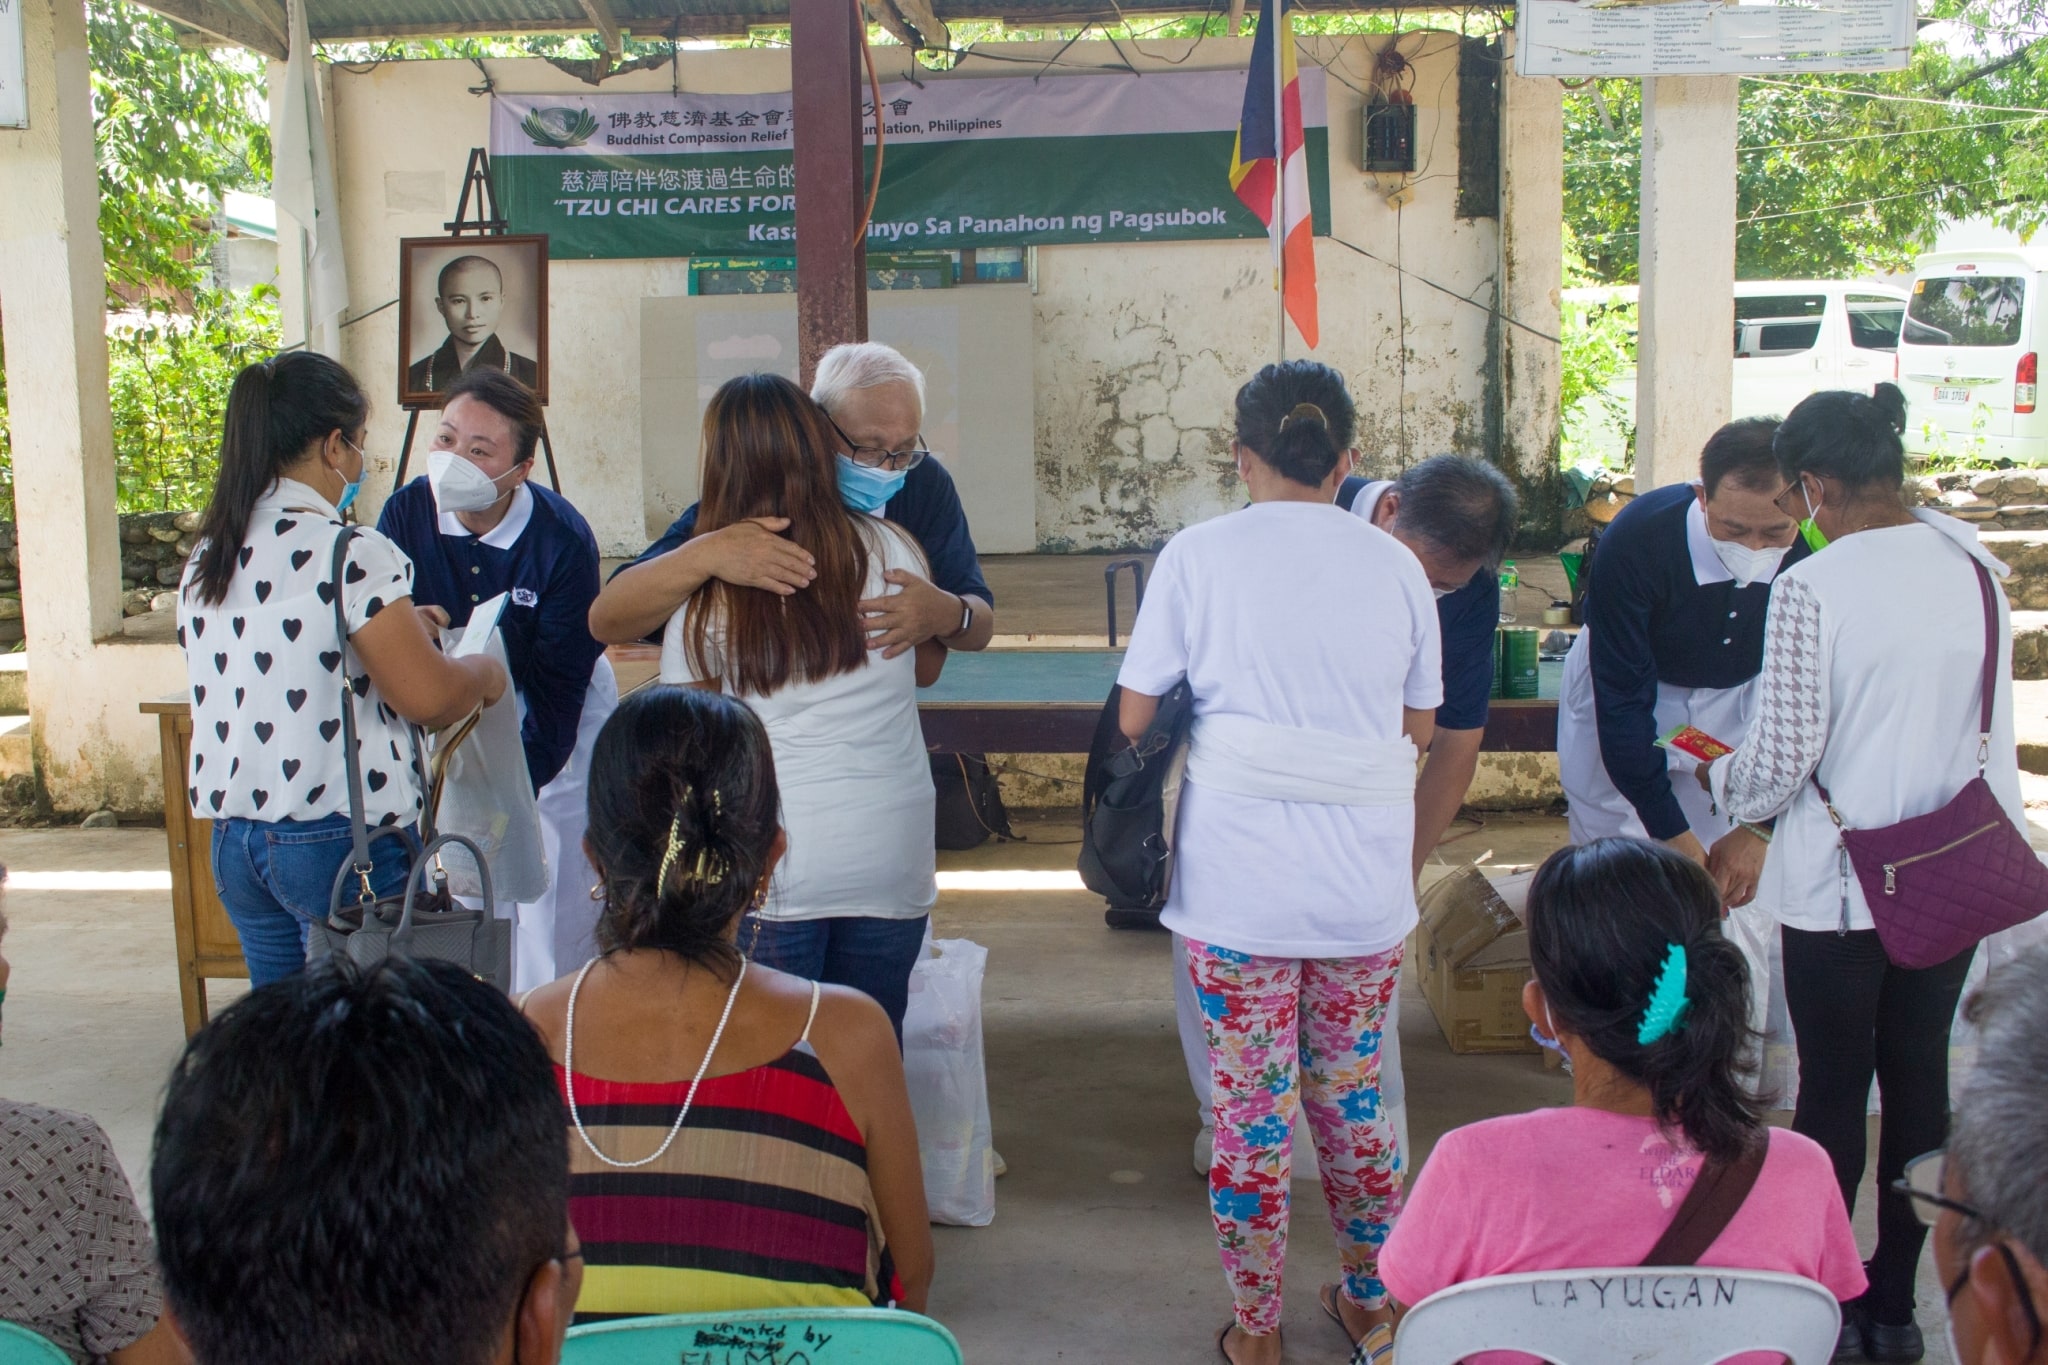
(1002, 1166)
(1205, 1151)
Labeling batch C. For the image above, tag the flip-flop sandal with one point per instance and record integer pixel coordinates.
(1376, 1347)
(1327, 1297)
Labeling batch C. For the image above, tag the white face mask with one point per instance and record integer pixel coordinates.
(459, 486)
(1440, 593)
(1749, 565)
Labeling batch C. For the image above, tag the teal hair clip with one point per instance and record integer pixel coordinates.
(1666, 1012)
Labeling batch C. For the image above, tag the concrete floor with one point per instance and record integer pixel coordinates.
(1101, 1249)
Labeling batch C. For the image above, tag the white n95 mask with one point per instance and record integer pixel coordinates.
(458, 485)
(1749, 565)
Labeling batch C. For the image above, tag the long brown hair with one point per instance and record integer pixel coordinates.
(768, 453)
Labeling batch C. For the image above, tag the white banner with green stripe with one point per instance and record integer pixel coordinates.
(1008, 161)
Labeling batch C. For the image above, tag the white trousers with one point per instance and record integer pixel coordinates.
(556, 934)
(1599, 811)
(1194, 1048)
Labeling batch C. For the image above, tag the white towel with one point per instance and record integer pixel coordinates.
(1281, 763)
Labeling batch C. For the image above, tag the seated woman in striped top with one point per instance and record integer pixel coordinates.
(740, 1138)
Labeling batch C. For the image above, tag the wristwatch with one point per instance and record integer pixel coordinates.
(966, 618)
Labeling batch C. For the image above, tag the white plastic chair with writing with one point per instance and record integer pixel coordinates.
(1640, 1315)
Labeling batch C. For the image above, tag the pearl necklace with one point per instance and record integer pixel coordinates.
(689, 1098)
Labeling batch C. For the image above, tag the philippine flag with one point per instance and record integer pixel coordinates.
(1269, 144)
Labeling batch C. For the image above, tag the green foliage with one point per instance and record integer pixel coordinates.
(1599, 337)
(174, 129)
(1843, 175)
(169, 387)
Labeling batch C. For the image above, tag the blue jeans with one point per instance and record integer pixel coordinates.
(276, 876)
(870, 954)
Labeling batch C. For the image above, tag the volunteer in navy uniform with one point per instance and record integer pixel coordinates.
(1674, 635)
(475, 526)
(1456, 516)
(875, 398)
(469, 296)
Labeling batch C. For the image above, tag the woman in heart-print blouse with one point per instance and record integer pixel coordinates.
(256, 622)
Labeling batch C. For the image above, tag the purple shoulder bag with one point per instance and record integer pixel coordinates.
(1940, 883)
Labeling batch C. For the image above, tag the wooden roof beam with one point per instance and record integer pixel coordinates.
(217, 21)
(600, 12)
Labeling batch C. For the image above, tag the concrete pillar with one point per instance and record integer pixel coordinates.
(1531, 280)
(831, 267)
(1685, 349)
(91, 746)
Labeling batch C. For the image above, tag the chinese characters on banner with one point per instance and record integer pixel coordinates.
(969, 163)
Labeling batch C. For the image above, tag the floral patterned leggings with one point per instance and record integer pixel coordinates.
(1269, 1020)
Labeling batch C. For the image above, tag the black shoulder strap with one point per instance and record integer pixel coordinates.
(1709, 1207)
(359, 834)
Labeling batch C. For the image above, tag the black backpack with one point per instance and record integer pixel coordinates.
(968, 802)
(1125, 854)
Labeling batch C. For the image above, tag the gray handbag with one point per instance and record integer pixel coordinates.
(425, 921)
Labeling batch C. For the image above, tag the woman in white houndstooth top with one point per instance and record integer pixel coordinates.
(1873, 661)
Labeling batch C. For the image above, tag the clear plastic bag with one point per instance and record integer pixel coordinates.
(488, 796)
(942, 1059)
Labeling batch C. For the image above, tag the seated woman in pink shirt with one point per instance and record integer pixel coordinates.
(1636, 984)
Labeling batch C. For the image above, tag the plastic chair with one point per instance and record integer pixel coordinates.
(1690, 1315)
(774, 1336)
(19, 1346)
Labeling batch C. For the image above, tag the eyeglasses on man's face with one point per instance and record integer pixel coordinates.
(875, 457)
(1922, 1184)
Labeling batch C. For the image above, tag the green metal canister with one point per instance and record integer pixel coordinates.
(1518, 664)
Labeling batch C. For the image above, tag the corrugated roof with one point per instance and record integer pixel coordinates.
(259, 24)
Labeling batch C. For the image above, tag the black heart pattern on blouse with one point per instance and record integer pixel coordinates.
(329, 729)
(295, 698)
(199, 693)
(199, 626)
(262, 591)
(216, 797)
(314, 795)
(370, 609)
(259, 796)
(291, 768)
(355, 573)
(326, 591)
(330, 659)
(362, 685)
(238, 623)
(264, 730)
(283, 524)
(292, 628)
(376, 780)
(240, 693)
(299, 558)
(244, 555)
(220, 663)
(263, 662)
(220, 727)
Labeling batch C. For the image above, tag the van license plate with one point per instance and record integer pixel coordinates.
(1949, 393)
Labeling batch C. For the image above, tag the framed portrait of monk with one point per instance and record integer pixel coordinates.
(465, 302)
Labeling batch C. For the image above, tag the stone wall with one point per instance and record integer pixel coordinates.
(154, 547)
(1995, 500)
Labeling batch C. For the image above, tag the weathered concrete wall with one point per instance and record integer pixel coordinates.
(91, 745)
(1138, 348)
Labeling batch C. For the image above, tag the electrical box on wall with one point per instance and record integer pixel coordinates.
(1389, 142)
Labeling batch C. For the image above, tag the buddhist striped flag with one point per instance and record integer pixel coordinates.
(1270, 144)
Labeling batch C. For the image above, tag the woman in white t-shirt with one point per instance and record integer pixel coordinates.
(1309, 640)
(1874, 658)
(849, 904)
(267, 675)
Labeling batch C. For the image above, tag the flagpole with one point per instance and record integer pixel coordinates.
(1276, 9)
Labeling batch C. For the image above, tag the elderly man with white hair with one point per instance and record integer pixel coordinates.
(1984, 1194)
(875, 398)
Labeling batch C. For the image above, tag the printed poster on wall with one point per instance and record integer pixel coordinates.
(966, 163)
(13, 65)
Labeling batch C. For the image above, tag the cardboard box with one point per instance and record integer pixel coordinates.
(1473, 956)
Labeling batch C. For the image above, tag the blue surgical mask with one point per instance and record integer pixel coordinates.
(867, 490)
(355, 486)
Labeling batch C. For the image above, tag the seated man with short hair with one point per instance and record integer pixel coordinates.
(366, 1167)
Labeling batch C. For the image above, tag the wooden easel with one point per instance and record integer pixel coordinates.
(483, 220)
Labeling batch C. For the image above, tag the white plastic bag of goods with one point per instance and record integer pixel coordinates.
(489, 793)
(949, 1083)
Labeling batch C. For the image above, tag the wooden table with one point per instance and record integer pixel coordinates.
(1004, 701)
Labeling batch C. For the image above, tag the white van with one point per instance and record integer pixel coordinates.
(1792, 338)
(1969, 355)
